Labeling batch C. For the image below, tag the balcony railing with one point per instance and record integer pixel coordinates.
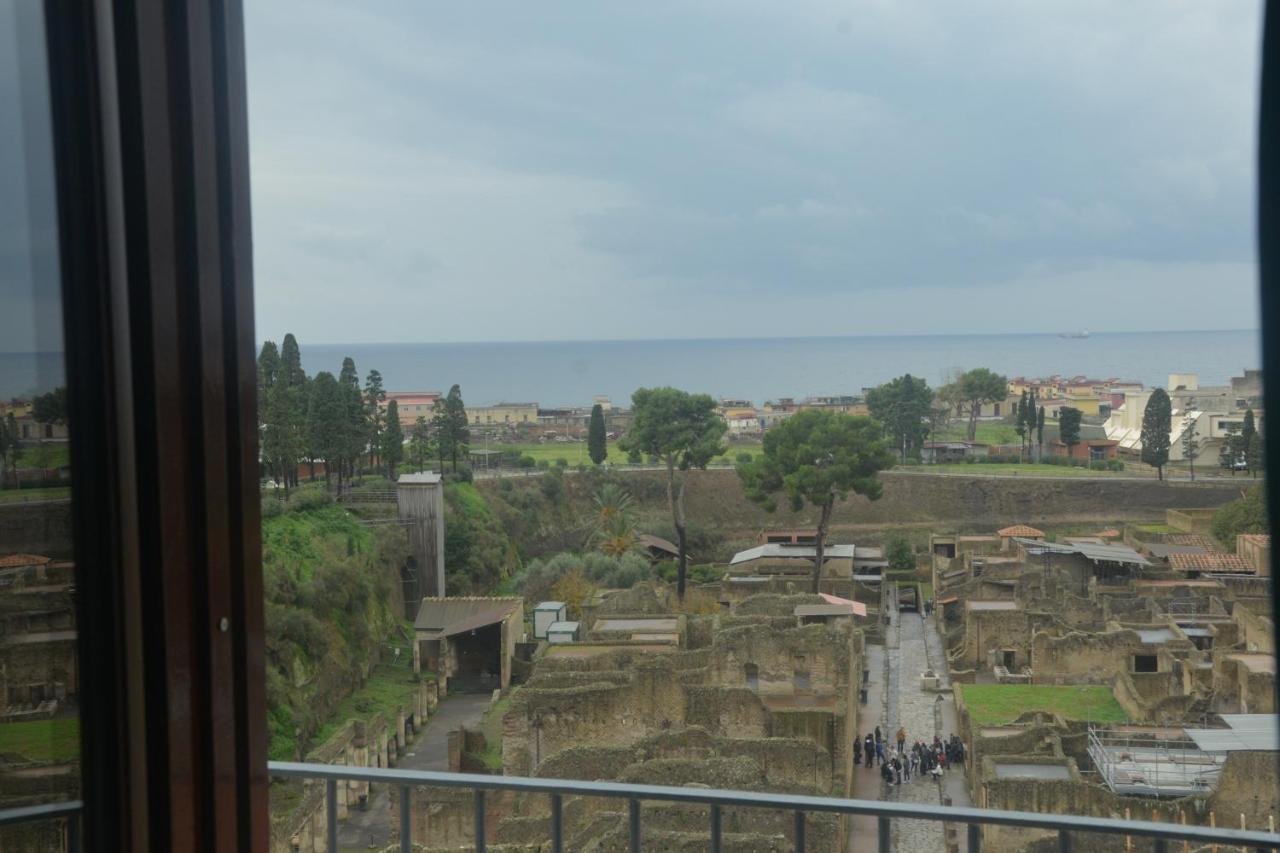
(885, 812)
(68, 811)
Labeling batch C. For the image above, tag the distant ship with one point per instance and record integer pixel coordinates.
(1073, 334)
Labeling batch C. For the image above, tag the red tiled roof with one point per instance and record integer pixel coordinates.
(1109, 533)
(16, 561)
(1257, 538)
(1021, 530)
(1210, 562)
(1189, 539)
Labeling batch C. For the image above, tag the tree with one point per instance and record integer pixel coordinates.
(817, 458)
(291, 362)
(268, 369)
(899, 553)
(978, 386)
(1157, 423)
(455, 423)
(1069, 427)
(684, 431)
(392, 449)
(325, 422)
(420, 443)
(1040, 433)
(440, 432)
(8, 444)
(1253, 454)
(355, 430)
(282, 434)
(1191, 444)
(50, 408)
(1248, 429)
(902, 406)
(1247, 514)
(1229, 452)
(374, 397)
(597, 441)
(1020, 423)
(614, 529)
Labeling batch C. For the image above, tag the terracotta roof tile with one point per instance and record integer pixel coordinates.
(1210, 562)
(1190, 539)
(1109, 533)
(1021, 530)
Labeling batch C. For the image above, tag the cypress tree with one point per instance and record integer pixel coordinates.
(392, 440)
(1157, 422)
(291, 362)
(1040, 433)
(374, 397)
(456, 424)
(325, 422)
(597, 443)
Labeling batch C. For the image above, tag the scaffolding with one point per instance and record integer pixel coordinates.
(1152, 766)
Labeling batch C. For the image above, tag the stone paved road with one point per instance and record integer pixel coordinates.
(371, 829)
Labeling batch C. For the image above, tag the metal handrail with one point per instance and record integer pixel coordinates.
(69, 809)
(718, 799)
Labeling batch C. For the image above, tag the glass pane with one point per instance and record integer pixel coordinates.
(39, 681)
(964, 294)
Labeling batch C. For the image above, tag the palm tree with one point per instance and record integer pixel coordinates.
(614, 528)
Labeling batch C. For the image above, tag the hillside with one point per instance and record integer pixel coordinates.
(333, 595)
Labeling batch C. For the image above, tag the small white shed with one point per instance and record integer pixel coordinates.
(562, 632)
(545, 615)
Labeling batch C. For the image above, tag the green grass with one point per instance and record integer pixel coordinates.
(998, 704)
(1155, 528)
(42, 741)
(52, 455)
(44, 494)
(575, 452)
(987, 433)
(1030, 469)
(388, 688)
(491, 728)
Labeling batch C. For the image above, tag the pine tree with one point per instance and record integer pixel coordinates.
(374, 397)
(291, 362)
(1254, 454)
(392, 448)
(456, 425)
(1157, 423)
(1228, 453)
(1191, 444)
(597, 441)
(1020, 423)
(325, 422)
(355, 431)
(1040, 434)
(420, 443)
(1249, 429)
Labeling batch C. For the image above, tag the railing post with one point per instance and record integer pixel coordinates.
(557, 827)
(715, 828)
(633, 812)
(1064, 841)
(406, 833)
(799, 835)
(883, 836)
(331, 815)
(975, 838)
(480, 843)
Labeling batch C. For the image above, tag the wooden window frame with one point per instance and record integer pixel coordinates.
(151, 152)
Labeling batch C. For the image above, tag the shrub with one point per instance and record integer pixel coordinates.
(542, 463)
(899, 553)
(272, 507)
(526, 461)
(1115, 465)
(744, 458)
(561, 462)
(1243, 515)
(305, 500)
(1097, 464)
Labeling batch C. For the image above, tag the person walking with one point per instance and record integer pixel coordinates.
(880, 752)
(869, 750)
(857, 751)
(902, 738)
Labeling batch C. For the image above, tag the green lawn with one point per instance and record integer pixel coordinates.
(19, 495)
(1030, 469)
(491, 727)
(42, 741)
(575, 452)
(51, 455)
(987, 433)
(1155, 528)
(998, 704)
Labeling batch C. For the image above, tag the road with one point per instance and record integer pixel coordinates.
(371, 829)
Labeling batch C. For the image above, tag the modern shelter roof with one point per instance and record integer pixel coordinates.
(448, 617)
(1097, 553)
(774, 550)
(1245, 732)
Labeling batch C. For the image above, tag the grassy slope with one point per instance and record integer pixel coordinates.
(997, 704)
(42, 741)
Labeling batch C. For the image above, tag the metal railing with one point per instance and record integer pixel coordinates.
(69, 811)
(404, 781)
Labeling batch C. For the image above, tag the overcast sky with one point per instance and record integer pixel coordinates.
(530, 171)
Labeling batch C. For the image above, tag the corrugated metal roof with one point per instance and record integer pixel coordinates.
(1097, 553)
(775, 550)
(445, 617)
(1252, 732)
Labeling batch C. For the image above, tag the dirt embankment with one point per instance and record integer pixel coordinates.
(976, 504)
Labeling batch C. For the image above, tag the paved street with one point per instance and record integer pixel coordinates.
(371, 829)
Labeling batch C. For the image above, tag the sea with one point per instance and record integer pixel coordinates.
(572, 373)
